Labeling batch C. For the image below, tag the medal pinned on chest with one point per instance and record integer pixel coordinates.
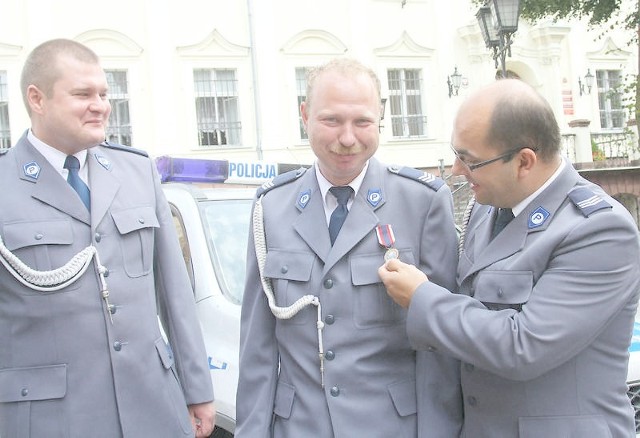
(387, 240)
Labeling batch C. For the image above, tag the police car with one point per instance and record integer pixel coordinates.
(211, 211)
(212, 219)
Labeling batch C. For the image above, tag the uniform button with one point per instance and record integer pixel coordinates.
(329, 319)
(38, 236)
(468, 367)
(106, 272)
(472, 400)
(500, 293)
(335, 391)
(431, 349)
(98, 237)
(329, 355)
(24, 392)
(117, 345)
(112, 309)
(141, 220)
(328, 283)
(284, 269)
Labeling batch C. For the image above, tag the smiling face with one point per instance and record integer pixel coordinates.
(342, 124)
(74, 114)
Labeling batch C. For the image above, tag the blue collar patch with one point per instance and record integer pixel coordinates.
(374, 197)
(538, 217)
(103, 161)
(303, 198)
(32, 170)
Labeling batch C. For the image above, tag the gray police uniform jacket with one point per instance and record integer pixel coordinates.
(65, 369)
(373, 384)
(563, 280)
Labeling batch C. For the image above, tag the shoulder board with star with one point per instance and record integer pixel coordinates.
(280, 180)
(587, 201)
(428, 179)
(119, 147)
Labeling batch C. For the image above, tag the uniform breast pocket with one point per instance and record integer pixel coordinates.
(499, 290)
(42, 245)
(290, 273)
(136, 227)
(372, 305)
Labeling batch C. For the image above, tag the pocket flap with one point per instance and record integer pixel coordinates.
(583, 426)
(165, 353)
(364, 267)
(23, 234)
(503, 287)
(284, 400)
(33, 383)
(403, 395)
(286, 265)
(133, 219)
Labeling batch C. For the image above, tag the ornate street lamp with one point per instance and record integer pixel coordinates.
(588, 81)
(498, 20)
(453, 82)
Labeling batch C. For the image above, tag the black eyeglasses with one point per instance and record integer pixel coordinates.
(475, 166)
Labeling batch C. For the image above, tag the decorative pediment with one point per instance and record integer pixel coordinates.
(314, 42)
(609, 52)
(404, 46)
(108, 43)
(213, 45)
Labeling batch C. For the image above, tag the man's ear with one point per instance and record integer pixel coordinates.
(35, 98)
(527, 158)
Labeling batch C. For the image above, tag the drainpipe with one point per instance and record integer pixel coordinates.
(254, 73)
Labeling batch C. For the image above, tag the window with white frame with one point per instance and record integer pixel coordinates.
(119, 129)
(301, 92)
(405, 103)
(217, 112)
(5, 132)
(610, 99)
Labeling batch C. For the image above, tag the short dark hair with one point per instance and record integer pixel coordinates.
(525, 119)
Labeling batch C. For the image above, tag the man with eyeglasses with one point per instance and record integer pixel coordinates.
(545, 307)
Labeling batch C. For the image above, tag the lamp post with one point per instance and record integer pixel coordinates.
(498, 20)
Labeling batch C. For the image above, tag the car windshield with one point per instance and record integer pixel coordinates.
(226, 224)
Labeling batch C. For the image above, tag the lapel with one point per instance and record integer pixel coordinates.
(513, 237)
(104, 184)
(361, 219)
(48, 186)
(310, 223)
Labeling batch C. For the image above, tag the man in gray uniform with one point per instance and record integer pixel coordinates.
(544, 317)
(81, 350)
(324, 351)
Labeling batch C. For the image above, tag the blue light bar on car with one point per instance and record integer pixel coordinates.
(192, 170)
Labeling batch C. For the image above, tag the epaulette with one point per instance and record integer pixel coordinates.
(280, 180)
(428, 179)
(119, 147)
(587, 201)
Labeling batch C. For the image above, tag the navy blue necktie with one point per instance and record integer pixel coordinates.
(73, 165)
(342, 194)
(503, 217)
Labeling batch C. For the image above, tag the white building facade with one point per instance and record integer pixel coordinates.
(224, 79)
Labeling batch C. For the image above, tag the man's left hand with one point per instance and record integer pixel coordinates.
(203, 418)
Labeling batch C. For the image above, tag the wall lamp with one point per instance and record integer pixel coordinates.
(383, 107)
(588, 81)
(453, 82)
